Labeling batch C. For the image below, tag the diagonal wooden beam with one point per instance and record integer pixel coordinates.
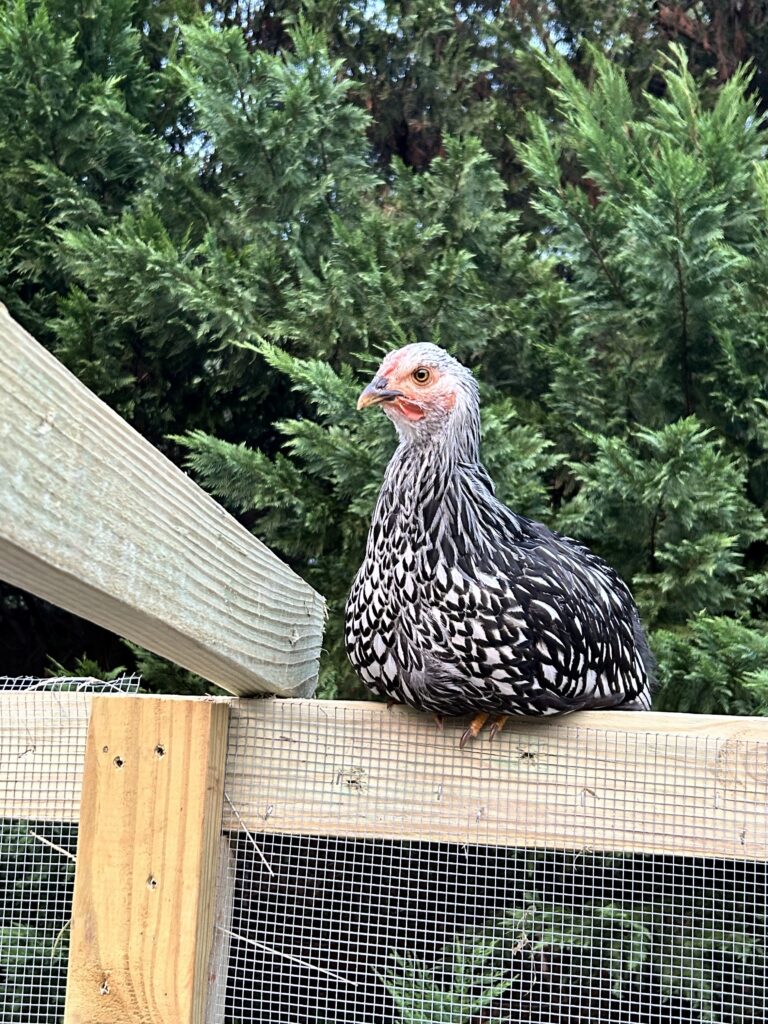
(93, 518)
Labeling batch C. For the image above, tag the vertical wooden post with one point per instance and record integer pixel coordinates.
(147, 859)
(219, 960)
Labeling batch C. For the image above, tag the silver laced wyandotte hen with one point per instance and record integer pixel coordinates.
(463, 606)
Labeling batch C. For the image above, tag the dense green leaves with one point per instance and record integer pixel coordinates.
(661, 237)
(220, 217)
(610, 404)
(669, 508)
(716, 664)
(687, 949)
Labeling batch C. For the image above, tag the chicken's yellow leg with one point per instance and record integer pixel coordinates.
(473, 728)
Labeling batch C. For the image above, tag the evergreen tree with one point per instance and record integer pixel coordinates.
(220, 220)
(90, 120)
(86, 115)
(617, 345)
(662, 245)
(427, 71)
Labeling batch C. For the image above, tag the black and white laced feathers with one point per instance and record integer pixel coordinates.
(460, 604)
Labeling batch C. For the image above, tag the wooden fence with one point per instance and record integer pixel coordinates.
(152, 773)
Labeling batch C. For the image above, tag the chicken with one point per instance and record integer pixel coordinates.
(463, 606)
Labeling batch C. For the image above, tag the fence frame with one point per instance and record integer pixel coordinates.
(153, 782)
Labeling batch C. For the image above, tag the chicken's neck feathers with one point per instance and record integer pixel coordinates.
(441, 489)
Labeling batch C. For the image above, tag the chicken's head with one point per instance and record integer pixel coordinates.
(421, 387)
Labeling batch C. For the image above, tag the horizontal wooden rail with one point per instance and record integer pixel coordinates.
(93, 518)
(693, 785)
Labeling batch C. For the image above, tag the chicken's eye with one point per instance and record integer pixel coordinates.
(421, 375)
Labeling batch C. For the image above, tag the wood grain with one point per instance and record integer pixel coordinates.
(147, 861)
(96, 520)
(692, 785)
(218, 967)
(610, 780)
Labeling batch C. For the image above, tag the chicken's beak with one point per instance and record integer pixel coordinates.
(376, 393)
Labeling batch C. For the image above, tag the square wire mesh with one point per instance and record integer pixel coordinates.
(374, 872)
(43, 727)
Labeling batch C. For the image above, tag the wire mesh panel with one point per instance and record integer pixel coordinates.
(375, 872)
(69, 684)
(43, 727)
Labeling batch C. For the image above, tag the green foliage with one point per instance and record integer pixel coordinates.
(716, 665)
(165, 677)
(78, 132)
(681, 949)
(36, 881)
(85, 668)
(245, 100)
(473, 972)
(669, 509)
(465, 982)
(221, 216)
(427, 70)
(28, 960)
(663, 240)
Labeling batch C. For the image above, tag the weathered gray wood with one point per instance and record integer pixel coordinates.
(96, 520)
